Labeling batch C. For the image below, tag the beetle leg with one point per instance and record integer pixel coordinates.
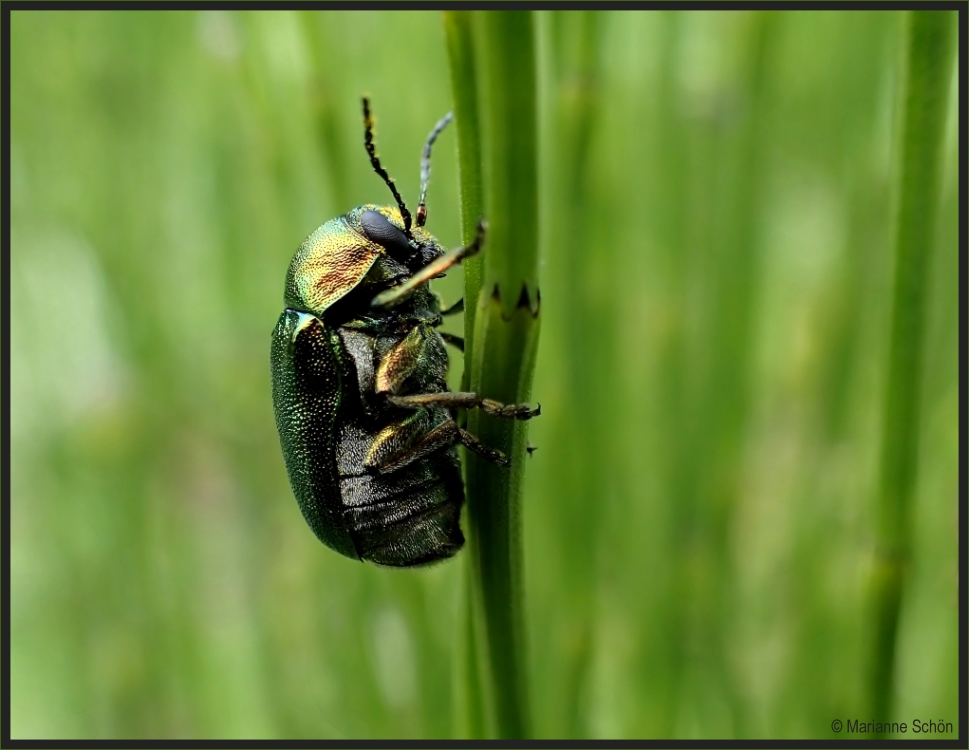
(445, 434)
(455, 308)
(396, 441)
(464, 400)
(472, 443)
(442, 436)
(449, 338)
(436, 267)
(419, 352)
(409, 440)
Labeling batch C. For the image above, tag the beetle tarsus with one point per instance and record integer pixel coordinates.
(510, 411)
(472, 443)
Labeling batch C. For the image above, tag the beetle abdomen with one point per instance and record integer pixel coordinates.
(410, 516)
(419, 540)
(401, 494)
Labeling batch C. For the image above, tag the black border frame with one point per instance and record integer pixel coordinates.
(22, 5)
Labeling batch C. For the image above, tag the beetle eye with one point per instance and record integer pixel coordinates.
(385, 234)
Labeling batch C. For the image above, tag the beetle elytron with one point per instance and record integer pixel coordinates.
(366, 422)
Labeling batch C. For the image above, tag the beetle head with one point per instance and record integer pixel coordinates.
(385, 226)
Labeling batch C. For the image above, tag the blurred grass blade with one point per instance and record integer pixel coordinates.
(323, 95)
(929, 46)
(576, 54)
(468, 701)
(503, 336)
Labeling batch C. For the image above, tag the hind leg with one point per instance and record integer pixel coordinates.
(443, 436)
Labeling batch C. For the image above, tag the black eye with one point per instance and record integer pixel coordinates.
(381, 231)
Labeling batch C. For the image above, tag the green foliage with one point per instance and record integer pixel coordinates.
(700, 517)
(930, 43)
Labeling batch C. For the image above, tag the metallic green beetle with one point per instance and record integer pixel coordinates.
(366, 422)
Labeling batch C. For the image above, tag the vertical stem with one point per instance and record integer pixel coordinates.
(459, 34)
(929, 49)
(502, 345)
(458, 31)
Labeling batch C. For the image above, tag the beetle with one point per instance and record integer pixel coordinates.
(366, 422)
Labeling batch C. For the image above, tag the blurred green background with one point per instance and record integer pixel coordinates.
(699, 516)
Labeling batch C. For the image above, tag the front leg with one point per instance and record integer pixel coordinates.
(435, 268)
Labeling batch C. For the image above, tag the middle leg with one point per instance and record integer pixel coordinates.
(465, 400)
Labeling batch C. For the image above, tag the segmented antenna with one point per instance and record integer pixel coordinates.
(426, 165)
(372, 151)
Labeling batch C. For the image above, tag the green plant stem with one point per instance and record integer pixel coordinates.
(459, 35)
(502, 338)
(929, 45)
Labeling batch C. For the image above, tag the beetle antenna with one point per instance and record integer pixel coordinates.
(426, 165)
(372, 151)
